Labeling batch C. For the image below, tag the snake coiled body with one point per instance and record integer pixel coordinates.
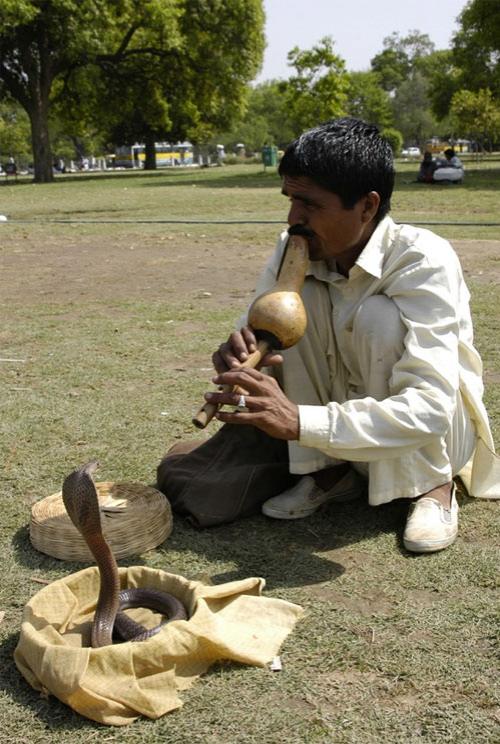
(80, 499)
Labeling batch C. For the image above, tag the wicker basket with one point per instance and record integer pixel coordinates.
(134, 517)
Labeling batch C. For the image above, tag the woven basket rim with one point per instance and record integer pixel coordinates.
(135, 518)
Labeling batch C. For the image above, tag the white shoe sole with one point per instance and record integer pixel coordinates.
(429, 546)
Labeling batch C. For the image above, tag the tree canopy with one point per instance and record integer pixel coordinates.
(318, 89)
(477, 114)
(367, 99)
(135, 54)
(476, 46)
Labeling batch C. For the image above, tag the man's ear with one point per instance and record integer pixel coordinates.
(370, 206)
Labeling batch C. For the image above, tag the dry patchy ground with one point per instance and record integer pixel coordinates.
(64, 265)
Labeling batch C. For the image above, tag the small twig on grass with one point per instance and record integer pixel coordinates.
(13, 360)
(40, 581)
(2, 615)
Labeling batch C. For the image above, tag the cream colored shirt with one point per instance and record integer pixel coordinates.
(421, 273)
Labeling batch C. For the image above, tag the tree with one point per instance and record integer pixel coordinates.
(415, 45)
(367, 99)
(476, 46)
(196, 89)
(318, 90)
(189, 44)
(392, 67)
(266, 120)
(443, 78)
(124, 102)
(400, 56)
(14, 131)
(404, 68)
(269, 101)
(412, 114)
(395, 139)
(41, 43)
(476, 114)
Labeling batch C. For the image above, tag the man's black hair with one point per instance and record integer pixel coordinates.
(345, 156)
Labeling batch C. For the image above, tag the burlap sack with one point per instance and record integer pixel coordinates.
(115, 684)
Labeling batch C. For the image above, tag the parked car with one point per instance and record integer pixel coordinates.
(411, 152)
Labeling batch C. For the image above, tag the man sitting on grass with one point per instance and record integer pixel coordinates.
(385, 387)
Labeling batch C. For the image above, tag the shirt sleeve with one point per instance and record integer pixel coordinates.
(423, 385)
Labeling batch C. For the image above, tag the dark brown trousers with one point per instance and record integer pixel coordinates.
(227, 477)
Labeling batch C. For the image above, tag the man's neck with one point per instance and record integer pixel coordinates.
(344, 263)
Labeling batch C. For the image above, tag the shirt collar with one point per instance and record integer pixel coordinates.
(371, 258)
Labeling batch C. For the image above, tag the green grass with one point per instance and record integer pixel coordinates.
(393, 647)
(217, 194)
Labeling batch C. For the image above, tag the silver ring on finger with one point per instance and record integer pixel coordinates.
(242, 403)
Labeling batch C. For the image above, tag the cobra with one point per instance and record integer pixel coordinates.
(80, 500)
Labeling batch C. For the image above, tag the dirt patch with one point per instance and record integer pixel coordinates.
(365, 605)
(62, 268)
(67, 266)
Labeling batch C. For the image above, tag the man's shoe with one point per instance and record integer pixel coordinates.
(430, 526)
(306, 497)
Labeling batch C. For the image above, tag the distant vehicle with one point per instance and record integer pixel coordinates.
(411, 152)
(167, 154)
(437, 145)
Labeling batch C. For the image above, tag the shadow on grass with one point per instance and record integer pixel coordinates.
(44, 565)
(476, 178)
(290, 553)
(204, 177)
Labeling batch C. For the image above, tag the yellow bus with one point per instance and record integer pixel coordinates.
(167, 155)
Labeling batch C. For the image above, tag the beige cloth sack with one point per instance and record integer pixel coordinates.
(115, 684)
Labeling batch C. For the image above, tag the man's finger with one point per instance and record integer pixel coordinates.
(245, 377)
(249, 338)
(239, 346)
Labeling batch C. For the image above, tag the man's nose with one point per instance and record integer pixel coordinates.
(296, 214)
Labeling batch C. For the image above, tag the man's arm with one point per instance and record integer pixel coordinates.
(423, 385)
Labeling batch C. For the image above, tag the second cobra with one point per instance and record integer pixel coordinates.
(81, 502)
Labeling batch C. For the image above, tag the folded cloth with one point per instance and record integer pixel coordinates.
(115, 684)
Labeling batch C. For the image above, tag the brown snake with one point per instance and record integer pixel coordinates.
(80, 499)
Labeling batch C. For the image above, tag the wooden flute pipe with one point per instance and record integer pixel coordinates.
(277, 317)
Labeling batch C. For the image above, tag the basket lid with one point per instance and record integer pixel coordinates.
(135, 518)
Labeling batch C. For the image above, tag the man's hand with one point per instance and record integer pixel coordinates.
(237, 349)
(268, 407)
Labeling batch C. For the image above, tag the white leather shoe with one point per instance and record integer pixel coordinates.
(306, 497)
(430, 526)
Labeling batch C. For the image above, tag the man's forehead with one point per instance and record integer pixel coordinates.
(300, 184)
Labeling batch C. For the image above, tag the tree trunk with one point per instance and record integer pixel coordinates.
(150, 153)
(42, 153)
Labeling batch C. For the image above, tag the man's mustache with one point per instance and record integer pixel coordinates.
(300, 230)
